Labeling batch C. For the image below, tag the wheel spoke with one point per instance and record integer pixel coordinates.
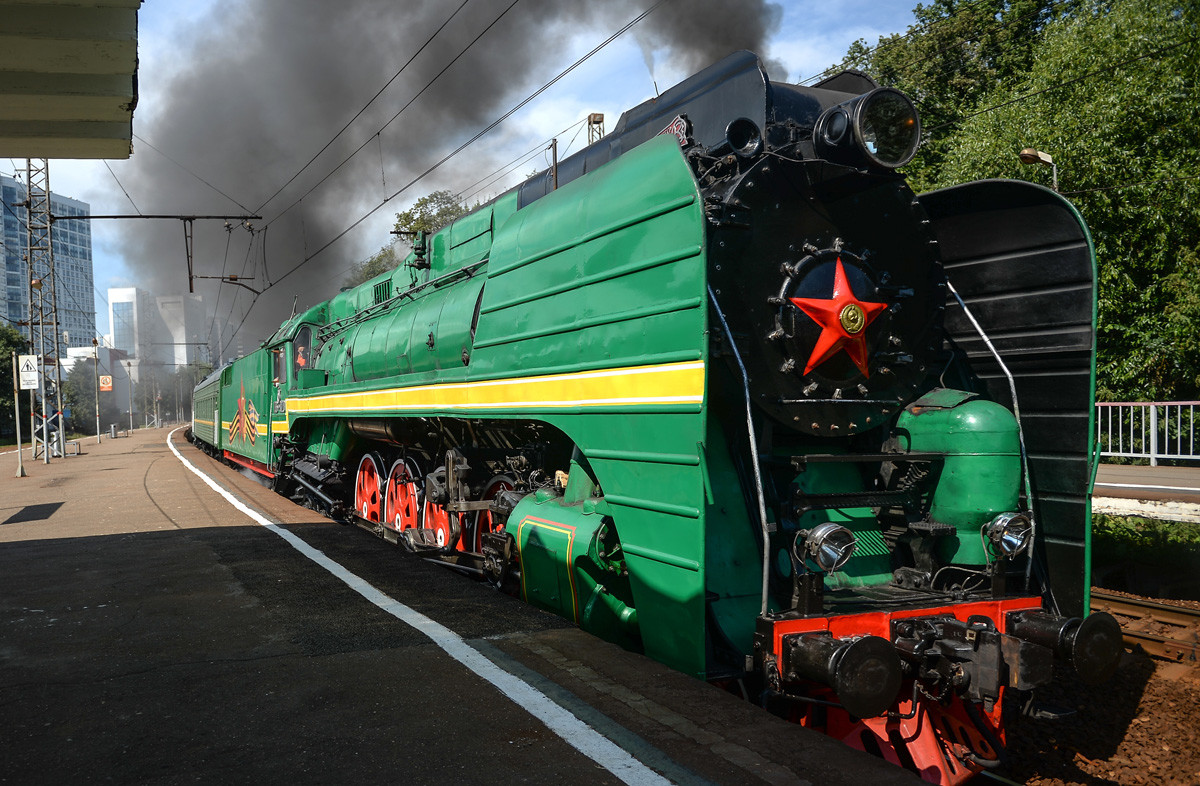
(483, 519)
(367, 497)
(403, 497)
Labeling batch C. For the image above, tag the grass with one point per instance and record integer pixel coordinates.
(1151, 557)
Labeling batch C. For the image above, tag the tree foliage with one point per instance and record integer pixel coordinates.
(11, 341)
(1109, 89)
(79, 398)
(951, 58)
(431, 212)
(428, 214)
(381, 261)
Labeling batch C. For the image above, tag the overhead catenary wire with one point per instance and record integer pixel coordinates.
(394, 117)
(476, 137)
(122, 187)
(193, 174)
(496, 174)
(309, 256)
(372, 100)
(895, 41)
(1131, 185)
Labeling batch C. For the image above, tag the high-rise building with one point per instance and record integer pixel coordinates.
(169, 331)
(187, 329)
(72, 242)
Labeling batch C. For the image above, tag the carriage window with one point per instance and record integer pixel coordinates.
(277, 365)
(302, 352)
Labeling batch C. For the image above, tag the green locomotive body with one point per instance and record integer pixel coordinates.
(715, 397)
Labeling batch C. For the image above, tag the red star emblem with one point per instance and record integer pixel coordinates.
(843, 320)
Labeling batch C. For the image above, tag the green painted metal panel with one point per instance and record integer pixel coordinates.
(206, 409)
(606, 271)
(981, 474)
(246, 406)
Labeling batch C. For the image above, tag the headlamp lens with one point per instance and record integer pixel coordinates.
(1010, 533)
(888, 127)
(829, 546)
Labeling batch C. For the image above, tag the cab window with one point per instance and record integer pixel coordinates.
(301, 352)
(278, 364)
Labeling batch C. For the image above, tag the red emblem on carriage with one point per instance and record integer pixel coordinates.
(245, 422)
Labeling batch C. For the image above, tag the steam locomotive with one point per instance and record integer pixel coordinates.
(722, 389)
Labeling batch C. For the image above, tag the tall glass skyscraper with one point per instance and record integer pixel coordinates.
(72, 240)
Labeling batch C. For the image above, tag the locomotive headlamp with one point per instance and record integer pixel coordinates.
(1009, 533)
(829, 546)
(879, 129)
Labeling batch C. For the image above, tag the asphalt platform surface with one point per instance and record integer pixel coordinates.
(152, 633)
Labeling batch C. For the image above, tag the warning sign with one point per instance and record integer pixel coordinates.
(27, 365)
(105, 384)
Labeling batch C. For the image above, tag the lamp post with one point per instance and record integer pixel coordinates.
(96, 364)
(1034, 156)
(129, 376)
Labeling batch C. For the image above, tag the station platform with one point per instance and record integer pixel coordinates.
(1168, 493)
(153, 632)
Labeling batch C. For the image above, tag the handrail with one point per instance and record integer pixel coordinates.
(1153, 430)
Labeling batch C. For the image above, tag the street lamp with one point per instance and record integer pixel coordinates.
(1032, 155)
(129, 376)
(96, 363)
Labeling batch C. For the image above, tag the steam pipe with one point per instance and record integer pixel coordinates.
(1012, 386)
(758, 484)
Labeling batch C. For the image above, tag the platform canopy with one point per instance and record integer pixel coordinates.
(68, 78)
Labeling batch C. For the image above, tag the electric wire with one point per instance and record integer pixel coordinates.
(419, 93)
(193, 174)
(1061, 85)
(372, 100)
(506, 169)
(891, 42)
(475, 138)
(308, 257)
(123, 190)
(1130, 185)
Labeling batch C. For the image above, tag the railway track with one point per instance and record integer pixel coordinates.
(1161, 629)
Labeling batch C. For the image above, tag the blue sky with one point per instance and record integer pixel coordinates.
(810, 36)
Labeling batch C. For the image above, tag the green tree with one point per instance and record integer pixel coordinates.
(79, 398)
(954, 55)
(428, 214)
(1109, 89)
(11, 341)
(381, 261)
(1111, 94)
(431, 212)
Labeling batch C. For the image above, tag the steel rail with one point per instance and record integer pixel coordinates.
(1160, 646)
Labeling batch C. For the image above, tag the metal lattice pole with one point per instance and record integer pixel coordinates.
(37, 256)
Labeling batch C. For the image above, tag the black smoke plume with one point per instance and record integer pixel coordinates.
(267, 83)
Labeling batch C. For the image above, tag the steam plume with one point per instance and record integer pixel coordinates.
(268, 82)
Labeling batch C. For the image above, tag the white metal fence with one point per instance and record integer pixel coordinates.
(1151, 430)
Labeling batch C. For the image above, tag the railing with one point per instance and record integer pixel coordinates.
(1151, 430)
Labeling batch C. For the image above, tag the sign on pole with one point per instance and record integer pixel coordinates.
(27, 365)
(105, 384)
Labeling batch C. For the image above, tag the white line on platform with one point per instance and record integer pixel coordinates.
(565, 724)
(1143, 486)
